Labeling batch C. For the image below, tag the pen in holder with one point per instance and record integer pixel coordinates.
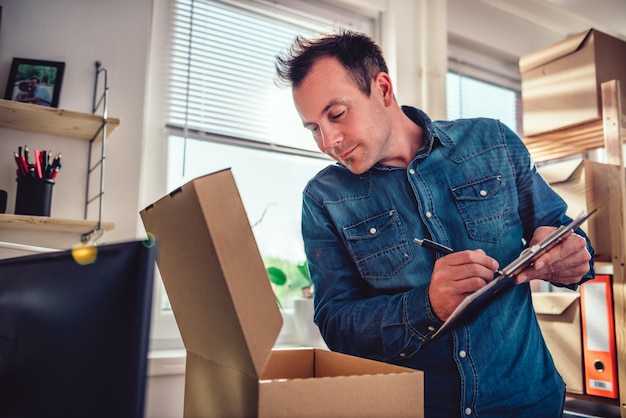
(34, 196)
(35, 181)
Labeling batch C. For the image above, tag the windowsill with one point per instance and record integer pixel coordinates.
(166, 362)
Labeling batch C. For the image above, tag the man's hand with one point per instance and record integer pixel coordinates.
(457, 275)
(565, 263)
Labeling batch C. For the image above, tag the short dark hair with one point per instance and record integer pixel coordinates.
(357, 52)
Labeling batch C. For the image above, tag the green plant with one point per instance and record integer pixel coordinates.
(290, 280)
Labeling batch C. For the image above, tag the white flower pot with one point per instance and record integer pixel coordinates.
(308, 333)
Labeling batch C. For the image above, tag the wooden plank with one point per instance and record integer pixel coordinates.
(569, 141)
(53, 121)
(613, 128)
(565, 142)
(47, 224)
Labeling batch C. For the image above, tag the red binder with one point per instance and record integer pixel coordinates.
(598, 326)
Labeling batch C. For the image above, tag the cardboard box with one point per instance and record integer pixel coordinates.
(561, 83)
(584, 185)
(559, 320)
(229, 320)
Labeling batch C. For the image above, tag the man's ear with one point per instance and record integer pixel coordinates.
(382, 85)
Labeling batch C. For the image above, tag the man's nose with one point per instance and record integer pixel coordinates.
(331, 137)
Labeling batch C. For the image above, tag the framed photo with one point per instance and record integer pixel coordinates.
(35, 81)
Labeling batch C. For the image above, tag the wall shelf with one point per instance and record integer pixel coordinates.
(59, 122)
(47, 224)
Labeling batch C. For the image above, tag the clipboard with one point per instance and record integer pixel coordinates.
(503, 281)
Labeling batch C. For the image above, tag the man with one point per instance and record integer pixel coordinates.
(468, 184)
(41, 96)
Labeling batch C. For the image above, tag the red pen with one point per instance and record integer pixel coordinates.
(24, 164)
(20, 168)
(38, 164)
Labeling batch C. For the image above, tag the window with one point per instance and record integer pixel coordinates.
(483, 85)
(221, 78)
(468, 97)
(222, 109)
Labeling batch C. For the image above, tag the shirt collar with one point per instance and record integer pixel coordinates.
(433, 136)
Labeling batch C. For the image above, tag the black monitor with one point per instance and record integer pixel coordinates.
(74, 331)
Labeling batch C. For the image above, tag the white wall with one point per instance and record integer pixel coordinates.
(79, 33)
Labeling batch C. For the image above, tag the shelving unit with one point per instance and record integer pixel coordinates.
(609, 132)
(100, 101)
(69, 124)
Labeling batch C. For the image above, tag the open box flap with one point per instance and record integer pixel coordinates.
(213, 273)
(562, 171)
(552, 303)
(553, 52)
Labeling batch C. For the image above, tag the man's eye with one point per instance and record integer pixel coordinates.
(338, 115)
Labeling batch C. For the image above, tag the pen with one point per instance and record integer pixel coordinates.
(433, 246)
(20, 167)
(43, 166)
(38, 164)
(441, 249)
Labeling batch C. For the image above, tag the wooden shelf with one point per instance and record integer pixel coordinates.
(47, 224)
(564, 142)
(53, 121)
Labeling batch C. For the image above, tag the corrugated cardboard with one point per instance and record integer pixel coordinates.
(559, 320)
(583, 185)
(229, 320)
(561, 83)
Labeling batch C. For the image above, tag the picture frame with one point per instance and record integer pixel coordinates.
(35, 81)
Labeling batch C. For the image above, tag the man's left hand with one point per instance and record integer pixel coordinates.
(565, 263)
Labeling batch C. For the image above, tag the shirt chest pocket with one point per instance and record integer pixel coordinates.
(378, 245)
(483, 205)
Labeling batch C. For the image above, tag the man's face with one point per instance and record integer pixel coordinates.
(350, 127)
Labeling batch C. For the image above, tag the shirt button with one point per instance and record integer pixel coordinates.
(429, 214)
(468, 411)
(402, 355)
(411, 171)
(372, 231)
(431, 328)
(483, 193)
(462, 354)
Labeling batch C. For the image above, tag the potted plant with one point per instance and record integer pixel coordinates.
(290, 280)
(293, 283)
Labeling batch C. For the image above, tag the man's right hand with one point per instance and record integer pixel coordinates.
(457, 275)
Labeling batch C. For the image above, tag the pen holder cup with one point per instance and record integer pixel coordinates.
(34, 196)
(3, 201)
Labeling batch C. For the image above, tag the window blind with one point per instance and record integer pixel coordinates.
(467, 97)
(221, 76)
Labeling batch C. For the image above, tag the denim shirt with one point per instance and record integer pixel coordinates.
(473, 185)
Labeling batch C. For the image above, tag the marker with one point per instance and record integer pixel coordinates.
(441, 249)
